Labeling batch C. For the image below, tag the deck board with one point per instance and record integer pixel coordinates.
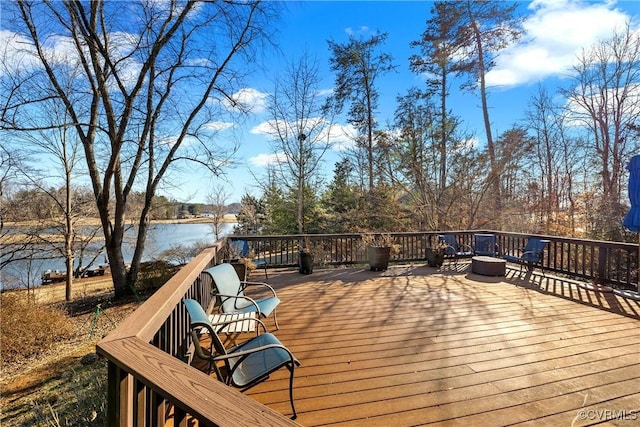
(413, 346)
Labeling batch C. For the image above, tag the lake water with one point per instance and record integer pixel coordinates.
(160, 237)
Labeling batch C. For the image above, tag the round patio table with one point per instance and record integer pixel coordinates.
(488, 266)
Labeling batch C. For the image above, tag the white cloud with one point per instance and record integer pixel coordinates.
(351, 32)
(554, 35)
(264, 128)
(249, 99)
(325, 92)
(340, 137)
(18, 53)
(265, 160)
(217, 126)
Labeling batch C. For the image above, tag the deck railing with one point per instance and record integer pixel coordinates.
(150, 384)
(613, 263)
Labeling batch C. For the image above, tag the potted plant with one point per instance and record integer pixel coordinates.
(305, 257)
(379, 247)
(435, 254)
(242, 264)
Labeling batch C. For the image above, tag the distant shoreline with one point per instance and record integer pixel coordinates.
(228, 218)
(20, 230)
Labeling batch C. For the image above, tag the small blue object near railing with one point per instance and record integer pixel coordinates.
(531, 255)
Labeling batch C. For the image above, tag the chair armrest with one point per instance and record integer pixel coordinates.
(466, 248)
(449, 251)
(246, 284)
(224, 297)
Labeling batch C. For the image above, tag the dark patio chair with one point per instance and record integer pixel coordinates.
(241, 249)
(485, 245)
(244, 365)
(531, 255)
(230, 293)
(455, 251)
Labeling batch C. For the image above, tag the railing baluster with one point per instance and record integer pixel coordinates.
(132, 400)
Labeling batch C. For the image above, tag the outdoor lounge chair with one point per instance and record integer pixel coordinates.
(229, 292)
(454, 251)
(240, 249)
(531, 255)
(244, 365)
(485, 245)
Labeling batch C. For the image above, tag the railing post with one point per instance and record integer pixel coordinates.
(119, 399)
(603, 254)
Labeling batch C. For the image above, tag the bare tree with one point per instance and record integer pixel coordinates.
(218, 198)
(417, 153)
(140, 81)
(300, 129)
(53, 138)
(605, 100)
(478, 30)
(10, 160)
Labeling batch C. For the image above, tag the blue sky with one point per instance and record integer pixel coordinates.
(556, 31)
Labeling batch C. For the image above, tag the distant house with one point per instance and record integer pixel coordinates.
(207, 215)
(184, 214)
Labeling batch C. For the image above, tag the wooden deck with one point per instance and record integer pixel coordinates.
(416, 346)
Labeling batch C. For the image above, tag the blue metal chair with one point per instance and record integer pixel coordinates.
(246, 364)
(485, 245)
(455, 251)
(531, 255)
(241, 249)
(230, 293)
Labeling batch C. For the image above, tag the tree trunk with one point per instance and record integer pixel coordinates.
(68, 239)
(494, 176)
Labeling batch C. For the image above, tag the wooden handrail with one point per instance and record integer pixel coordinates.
(149, 381)
(613, 262)
(189, 390)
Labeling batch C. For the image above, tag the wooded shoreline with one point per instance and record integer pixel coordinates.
(23, 238)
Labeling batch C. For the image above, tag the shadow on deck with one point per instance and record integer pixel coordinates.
(415, 346)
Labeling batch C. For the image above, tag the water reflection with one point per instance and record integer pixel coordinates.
(160, 237)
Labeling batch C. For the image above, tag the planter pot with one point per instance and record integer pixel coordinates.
(378, 257)
(305, 262)
(434, 259)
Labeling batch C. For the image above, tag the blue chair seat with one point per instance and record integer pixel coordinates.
(246, 364)
(531, 255)
(455, 251)
(230, 293)
(240, 248)
(266, 306)
(257, 364)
